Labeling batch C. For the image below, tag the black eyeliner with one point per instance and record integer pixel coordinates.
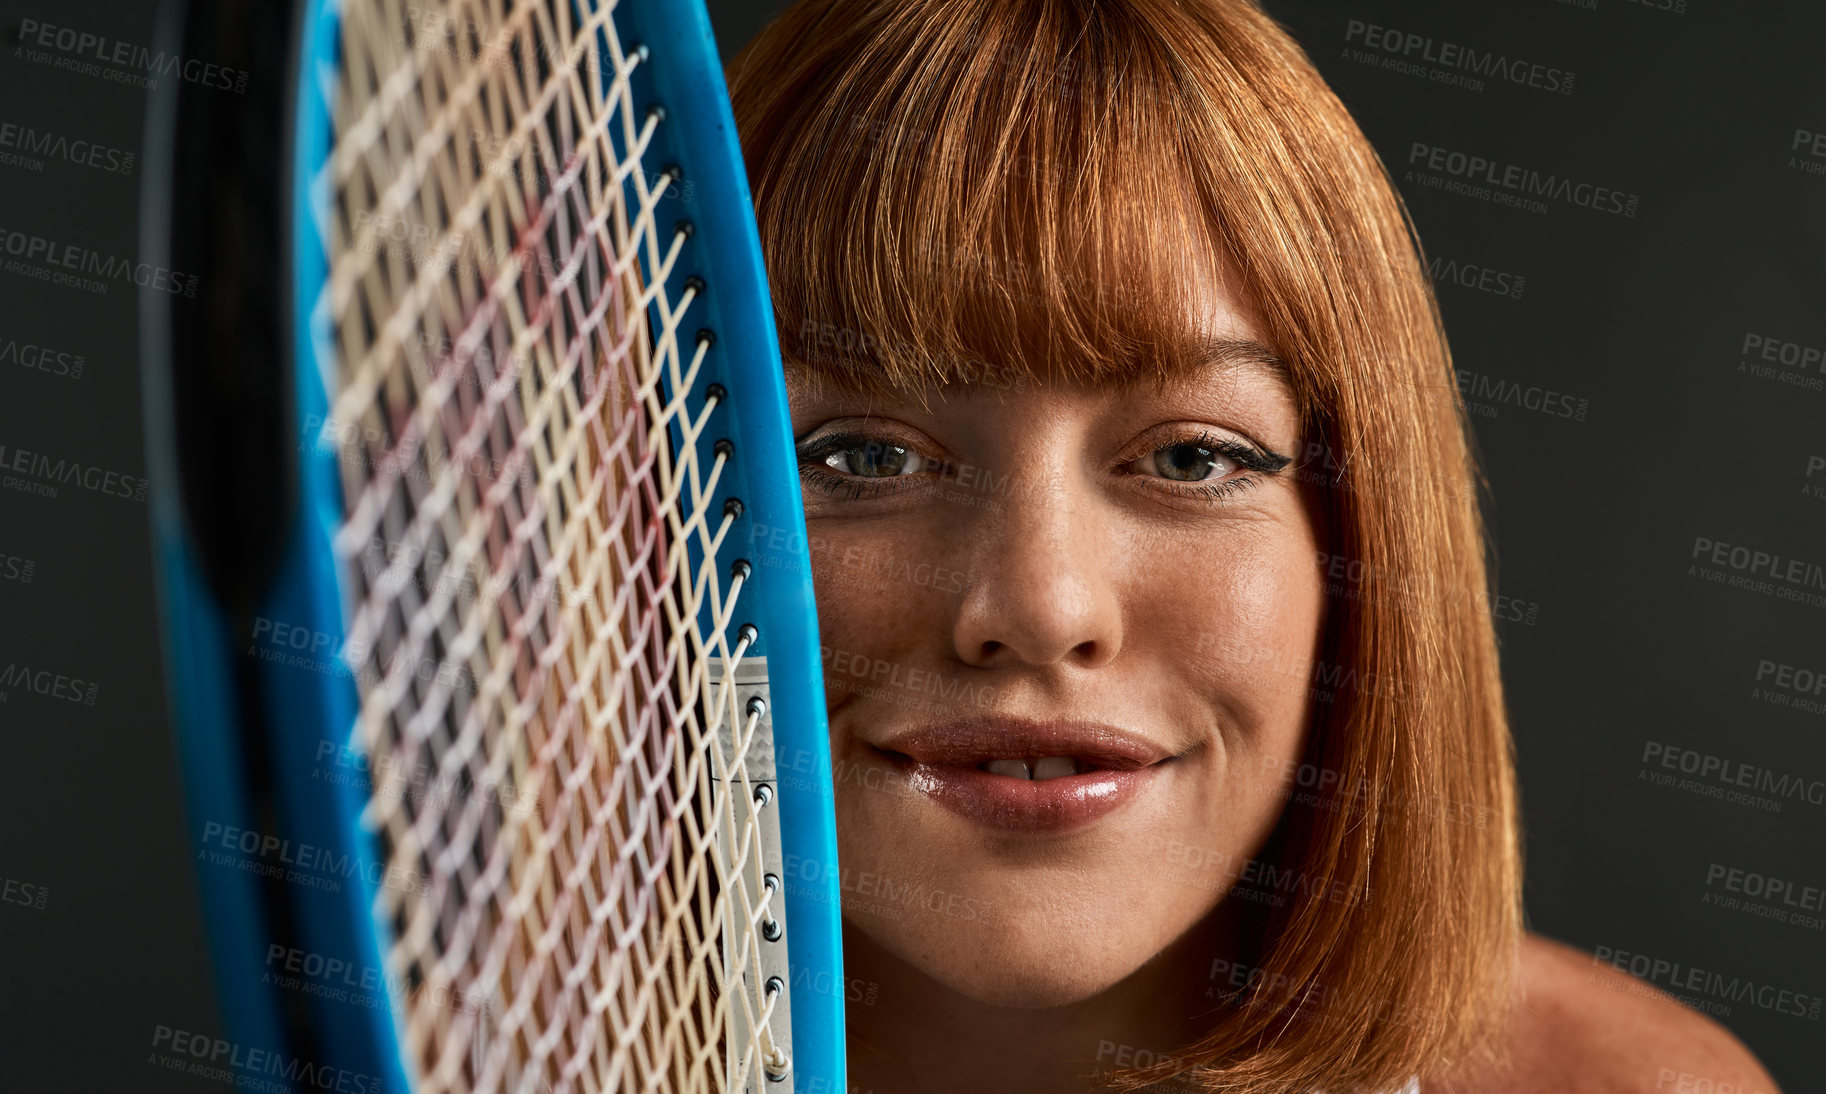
(1248, 455)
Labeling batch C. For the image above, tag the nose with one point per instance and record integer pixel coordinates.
(1041, 590)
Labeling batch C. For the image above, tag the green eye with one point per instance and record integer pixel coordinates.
(876, 460)
(1190, 461)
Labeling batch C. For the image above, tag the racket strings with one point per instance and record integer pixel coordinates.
(574, 879)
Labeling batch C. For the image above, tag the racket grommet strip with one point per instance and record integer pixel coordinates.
(695, 284)
(707, 338)
(734, 507)
(715, 393)
(724, 447)
(757, 706)
(763, 795)
(742, 569)
(748, 635)
(656, 112)
(770, 927)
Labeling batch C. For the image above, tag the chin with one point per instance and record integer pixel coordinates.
(1010, 959)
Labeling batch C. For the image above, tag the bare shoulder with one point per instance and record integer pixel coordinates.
(1583, 1027)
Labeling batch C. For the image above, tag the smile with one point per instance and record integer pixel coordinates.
(1017, 775)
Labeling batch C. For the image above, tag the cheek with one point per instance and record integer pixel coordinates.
(1245, 632)
(886, 576)
(882, 600)
(853, 608)
(1234, 648)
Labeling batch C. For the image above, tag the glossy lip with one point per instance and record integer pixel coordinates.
(944, 762)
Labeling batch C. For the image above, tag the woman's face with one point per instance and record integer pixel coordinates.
(1068, 636)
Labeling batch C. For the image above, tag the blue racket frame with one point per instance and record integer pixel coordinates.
(309, 711)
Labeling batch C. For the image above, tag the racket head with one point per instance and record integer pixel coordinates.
(269, 754)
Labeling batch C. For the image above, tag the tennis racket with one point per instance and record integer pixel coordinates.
(486, 650)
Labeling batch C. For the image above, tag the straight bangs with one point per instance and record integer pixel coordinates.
(996, 191)
(972, 195)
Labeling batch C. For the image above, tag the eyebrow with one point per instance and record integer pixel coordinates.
(1218, 353)
(1240, 353)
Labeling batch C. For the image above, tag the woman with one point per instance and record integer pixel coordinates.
(1168, 733)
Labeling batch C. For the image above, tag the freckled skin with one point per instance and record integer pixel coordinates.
(1091, 589)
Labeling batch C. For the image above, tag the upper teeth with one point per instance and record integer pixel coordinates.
(1051, 767)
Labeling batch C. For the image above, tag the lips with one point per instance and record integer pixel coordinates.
(1018, 775)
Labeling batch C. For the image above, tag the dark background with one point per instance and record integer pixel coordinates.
(1617, 412)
